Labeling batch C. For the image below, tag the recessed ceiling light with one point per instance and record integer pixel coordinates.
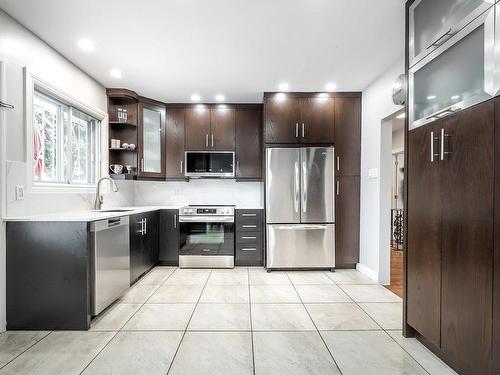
(195, 98)
(284, 86)
(115, 73)
(455, 97)
(219, 97)
(86, 44)
(431, 97)
(330, 86)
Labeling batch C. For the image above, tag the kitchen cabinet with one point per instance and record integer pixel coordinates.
(249, 237)
(169, 238)
(175, 142)
(348, 136)
(347, 221)
(249, 142)
(281, 118)
(197, 127)
(151, 146)
(317, 120)
(144, 243)
(432, 23)
(424, 232)
(299, 118)
(450, 237)
(209, 128)
(222, 128)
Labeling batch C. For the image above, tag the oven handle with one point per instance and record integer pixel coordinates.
(206, 219)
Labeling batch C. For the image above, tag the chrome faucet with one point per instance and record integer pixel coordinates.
(98, 197)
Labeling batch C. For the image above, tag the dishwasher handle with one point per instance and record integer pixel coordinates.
(97, 226)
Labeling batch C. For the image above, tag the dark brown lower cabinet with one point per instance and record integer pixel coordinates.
(169, 238)
(424, 233)
(347, 222)
(450, 237)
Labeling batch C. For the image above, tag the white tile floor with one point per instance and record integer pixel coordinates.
(241, 321)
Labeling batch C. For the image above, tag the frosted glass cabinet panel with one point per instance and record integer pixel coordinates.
(433, 22)
(152, 141)
(457, 75)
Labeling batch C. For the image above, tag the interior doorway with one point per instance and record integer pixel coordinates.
(392, 200)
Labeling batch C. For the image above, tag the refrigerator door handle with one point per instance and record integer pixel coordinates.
(296, 188)
(304, 187)
(302, 227)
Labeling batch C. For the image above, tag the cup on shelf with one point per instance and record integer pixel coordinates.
(131, 146)
(116, 168)
(121, 114)
(128, 168)
(126, 146)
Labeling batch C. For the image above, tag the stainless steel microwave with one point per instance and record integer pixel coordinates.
(209, 164)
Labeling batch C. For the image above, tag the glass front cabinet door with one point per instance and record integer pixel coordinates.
(457, 74)
(433, 22)
(152, 140)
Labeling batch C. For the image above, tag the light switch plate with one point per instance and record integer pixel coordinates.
(373, 173)
(19, 193)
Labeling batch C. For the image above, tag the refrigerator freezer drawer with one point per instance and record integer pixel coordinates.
(301, 246)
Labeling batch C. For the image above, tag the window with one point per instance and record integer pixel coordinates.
(65, 142)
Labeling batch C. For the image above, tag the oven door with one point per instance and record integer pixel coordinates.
(209, 164)
(206, 235)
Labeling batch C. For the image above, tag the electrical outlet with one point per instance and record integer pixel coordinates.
(19, 193)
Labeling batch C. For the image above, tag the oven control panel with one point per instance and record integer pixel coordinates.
(207, 210)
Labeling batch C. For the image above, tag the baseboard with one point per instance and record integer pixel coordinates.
(367, 271)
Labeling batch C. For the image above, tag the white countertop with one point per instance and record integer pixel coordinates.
(100, 215)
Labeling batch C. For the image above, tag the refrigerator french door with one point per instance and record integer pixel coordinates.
(300, 212)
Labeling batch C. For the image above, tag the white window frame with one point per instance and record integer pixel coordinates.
(30, 83)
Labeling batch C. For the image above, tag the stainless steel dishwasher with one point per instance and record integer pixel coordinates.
(110, 256)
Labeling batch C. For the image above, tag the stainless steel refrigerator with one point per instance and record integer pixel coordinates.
(300, 207)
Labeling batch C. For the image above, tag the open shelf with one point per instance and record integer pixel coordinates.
(122, 149)
(118, 124)
(123, 176)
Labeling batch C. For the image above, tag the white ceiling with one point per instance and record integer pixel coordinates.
(171, 49)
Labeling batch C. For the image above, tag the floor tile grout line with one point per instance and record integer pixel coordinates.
(124, 324)
(384, 330)
(187, 325)
(251, 322)
(317, 331)
(25, 350)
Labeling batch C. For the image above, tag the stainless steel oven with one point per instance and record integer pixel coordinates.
(209, 164)
(207, 237)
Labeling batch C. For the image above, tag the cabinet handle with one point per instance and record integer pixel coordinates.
(249, 226)
(142, 164)
(206, 140)
(433, 154)
(338, 163)
(182, 169)
(443, 151)
(440, 39)
(212, 141)
(141, 232)
(303, 130)
(175, 221)
(249, 249)
(296, 130)
(249, 215)
(248, 238)
(237, 168)
(145, 226)
(338, 187)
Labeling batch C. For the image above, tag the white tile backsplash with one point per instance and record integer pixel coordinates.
(202, 191)
(131, 193)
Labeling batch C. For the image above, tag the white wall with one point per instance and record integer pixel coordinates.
(377, 105)
(20, 48)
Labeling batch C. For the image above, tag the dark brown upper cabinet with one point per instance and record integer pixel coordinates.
(209, 128)
(282, 117)
(151, 148)
(249, 142)
(348, 136)
(317, 120)
(222, 128)
(175, 142)
(307, 118)
(197, 127)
